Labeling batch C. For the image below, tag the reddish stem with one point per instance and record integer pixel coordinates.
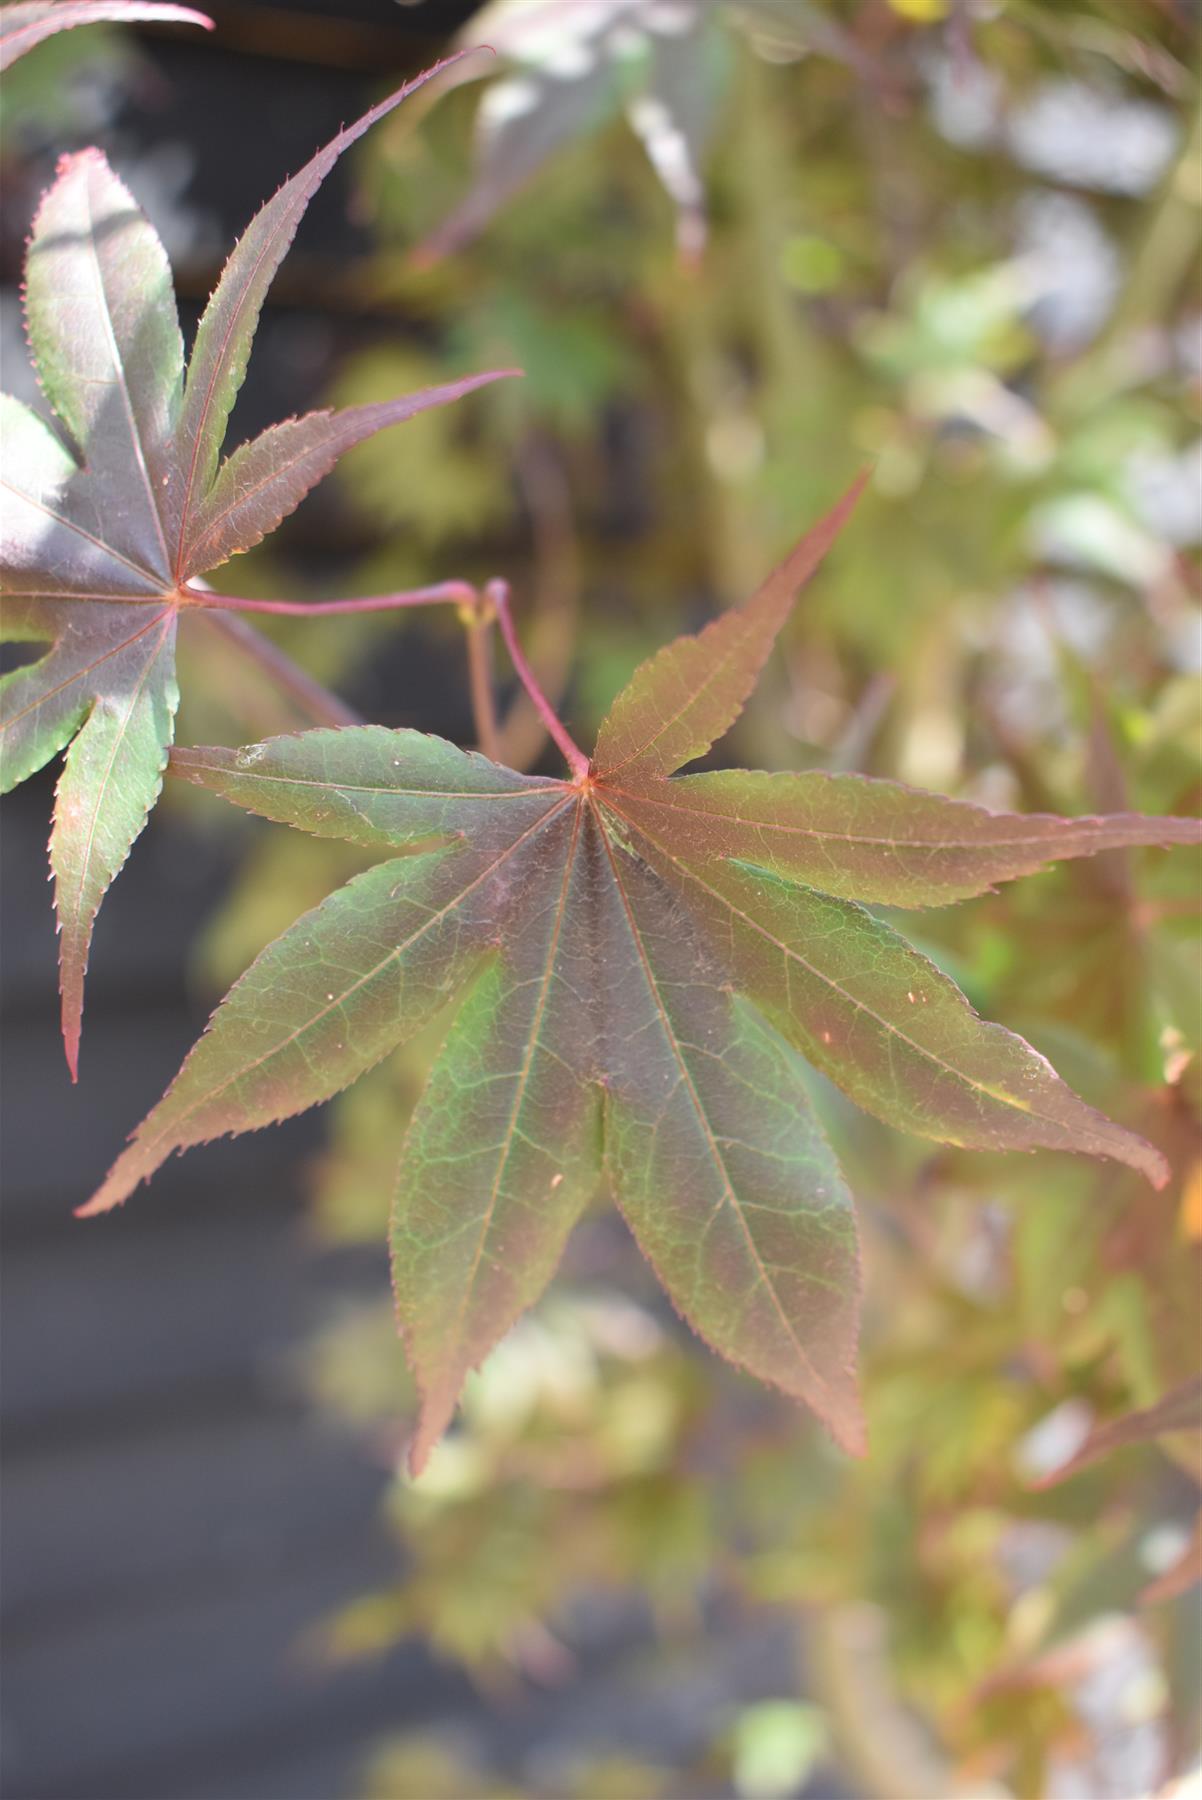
(457, 592)
(497, 593)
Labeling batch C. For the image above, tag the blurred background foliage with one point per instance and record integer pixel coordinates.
(964, 252)
(958, 239)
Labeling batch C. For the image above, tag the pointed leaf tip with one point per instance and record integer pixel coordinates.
(846, 1426)
(267, 477)
(435, 1416)
(686, 696)
(23, 26)
(855, 1440)
(95, 1207)
(230, 320)
(876, 841)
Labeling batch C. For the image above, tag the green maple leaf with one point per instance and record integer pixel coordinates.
(105, 529)
(29, 22)
(644, 960)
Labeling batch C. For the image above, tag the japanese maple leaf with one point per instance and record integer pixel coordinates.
(643, 963)
(103, 531)
(26, 24)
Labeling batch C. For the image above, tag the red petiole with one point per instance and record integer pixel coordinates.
(458, 593)
(496, 594)
(477, 610)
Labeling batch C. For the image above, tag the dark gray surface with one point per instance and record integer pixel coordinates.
(175, 1519)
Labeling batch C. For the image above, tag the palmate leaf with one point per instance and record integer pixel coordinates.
(24, 25)
(102, 530)
(634, 998)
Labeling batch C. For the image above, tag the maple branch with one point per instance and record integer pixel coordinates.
(497, 593)
(323, 707)
(477, 623)
(457, 592)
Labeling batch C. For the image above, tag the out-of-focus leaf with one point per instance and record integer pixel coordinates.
(23, 26)
(1180, 1410)
(574, 67)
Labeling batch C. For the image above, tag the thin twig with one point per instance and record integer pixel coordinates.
(478, 623)
(327, 709)
(317, 702)
(458, 593)
(555, 596)
(497, 592)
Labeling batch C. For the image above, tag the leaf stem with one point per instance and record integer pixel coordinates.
(477, 624)
(556, 593)
(497, 593)
(477, 611)
(456, 592)
(317, 702)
